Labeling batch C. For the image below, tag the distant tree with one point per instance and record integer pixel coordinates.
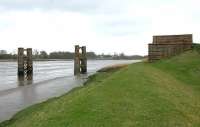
(116, 56)
(91, 55)
(3, 52)
(105, 56)
(61, 55)
(36, 54)
(122, 56)
(43, 55)
(68, 55)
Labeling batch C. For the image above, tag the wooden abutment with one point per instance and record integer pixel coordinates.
(80, 60)
(25, 62)
(169, 45)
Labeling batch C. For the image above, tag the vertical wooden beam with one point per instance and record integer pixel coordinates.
(29, 62)
(84, 60)
(20, 61)
(77, 60)
(25, 63)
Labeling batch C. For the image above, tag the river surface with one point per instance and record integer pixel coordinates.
(50, 79)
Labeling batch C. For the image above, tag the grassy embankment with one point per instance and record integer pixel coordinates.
(162, 94)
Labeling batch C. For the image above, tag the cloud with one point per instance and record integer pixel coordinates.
(43, 30)
(103, 25)
(83, 6)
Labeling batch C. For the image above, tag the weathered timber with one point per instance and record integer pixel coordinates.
(80, 60)
(29, 62)
(20, 61)
(83, 60)
(173, 39)
(169, 45)
(77, 60)
(25, 63)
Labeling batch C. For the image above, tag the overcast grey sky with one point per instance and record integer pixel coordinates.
(104, 26)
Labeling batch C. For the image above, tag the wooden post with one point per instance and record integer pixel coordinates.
(20, 61)
(80, 60)
(25, 62)
(83, 60)
(76, 60)
(29, 62)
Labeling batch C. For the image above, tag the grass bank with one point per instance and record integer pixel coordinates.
(162, 94)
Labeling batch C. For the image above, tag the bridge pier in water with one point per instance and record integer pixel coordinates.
(80, 60)
(25, 63)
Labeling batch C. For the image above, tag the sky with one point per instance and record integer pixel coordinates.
(104, 26)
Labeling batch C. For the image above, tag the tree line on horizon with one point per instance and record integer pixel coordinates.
(68, 55)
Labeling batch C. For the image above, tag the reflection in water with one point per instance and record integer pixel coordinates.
(25, 80)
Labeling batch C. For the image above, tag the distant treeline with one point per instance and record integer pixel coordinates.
(68, 55)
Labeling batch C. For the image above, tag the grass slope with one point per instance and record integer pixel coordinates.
(162, 94)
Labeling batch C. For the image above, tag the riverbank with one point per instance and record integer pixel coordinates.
(165, 94)
(16, 95)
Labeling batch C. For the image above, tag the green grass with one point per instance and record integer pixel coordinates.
(161, 94)
(196, 46)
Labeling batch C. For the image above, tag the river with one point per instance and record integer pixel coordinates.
(50, 79)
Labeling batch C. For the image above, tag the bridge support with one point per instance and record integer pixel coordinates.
(25, 62)
(80, 60)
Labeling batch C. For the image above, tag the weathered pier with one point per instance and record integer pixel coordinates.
(169, 45)
(25, 62)
(80, 60)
